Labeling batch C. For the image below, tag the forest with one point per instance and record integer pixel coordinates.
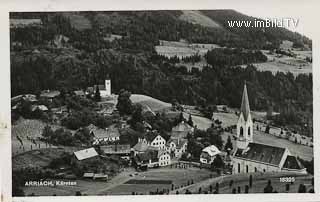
(132, 63)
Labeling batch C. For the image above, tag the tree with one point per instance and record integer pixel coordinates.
(267, 129)
(218, 162)
(97, 96)
(190, 122)
(136, 116)
(124, 104)
(181, 118)
(228, 145)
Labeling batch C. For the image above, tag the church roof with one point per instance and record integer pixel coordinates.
(292, 163)
(245, 108)
(261, 153)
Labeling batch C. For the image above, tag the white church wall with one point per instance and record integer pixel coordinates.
(252, 166)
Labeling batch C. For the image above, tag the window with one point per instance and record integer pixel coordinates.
(238, 167)
(255, 169)
(247, 168)
(249, 132)
(264, 170)
(241, 131)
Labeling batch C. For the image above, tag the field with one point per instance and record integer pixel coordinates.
(177, 176)
(281, 63)
(152, 103)
(78, 21)
(259, 182)
(39, 158)
(196, 17)
(183, 49)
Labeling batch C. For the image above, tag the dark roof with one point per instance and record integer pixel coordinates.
(261, 153)
(245, 108)
(146, 156)
(179, 142)
(151, 136)
(292, 163)
(50, 93)
(116, 149)
(142, 147)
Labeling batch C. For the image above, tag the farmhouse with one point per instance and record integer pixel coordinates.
(49, 94)
(253, 157)
(101, 135)
(153, 158)
(181, 130)
(80, 93)
(176, 147)
(142, 147)
(154, 139)
(208, 154)
(120, 149)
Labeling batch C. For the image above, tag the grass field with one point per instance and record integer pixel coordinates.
(152, 103)
(296, 65)
(177, 176)
(259, 182)
(39, 158)
(196, 17)
(79, 22)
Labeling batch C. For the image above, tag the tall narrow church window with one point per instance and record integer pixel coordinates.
(255, 169)
(238, 167)
(249, 133)
(241, 132)
(247, 168)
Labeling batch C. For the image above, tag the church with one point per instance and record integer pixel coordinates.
(251, 157)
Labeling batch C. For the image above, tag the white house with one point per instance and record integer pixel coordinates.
(154, 139)
(176, 147)
(208, 154)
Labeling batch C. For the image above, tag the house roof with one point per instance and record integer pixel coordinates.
(292, 163)
(245, 108)
(261, 153)
(100, 175)
(88, 174)
(142, 147)
(211, 150)
(85, 153)
(50, 93)
(40, 107)
(146, 156)
(182, 127)
(116, 149)
(79, 92)
(179, 142)
(151, 136)
(110, 132)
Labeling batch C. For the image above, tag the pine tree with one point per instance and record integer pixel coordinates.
(190, 122)
(228, 144)
(97, 96)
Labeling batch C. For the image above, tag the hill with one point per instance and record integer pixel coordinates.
(196, 17)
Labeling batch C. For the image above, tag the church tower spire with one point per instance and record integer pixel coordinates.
(245, 124)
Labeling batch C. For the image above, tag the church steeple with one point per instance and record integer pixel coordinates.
(245, 108)
(245, 124)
